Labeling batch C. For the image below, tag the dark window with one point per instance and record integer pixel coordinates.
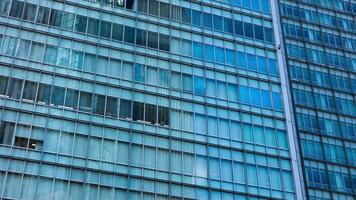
(140, 37)
(58, 96)
(151, 113)
(129, 4)
(99, 104)
(138, 111)
(43, 15)
(93, 26)
(15, 88)
(164, 10)
(259, 32)
(3, 84)
(81, 24)
(85, 101)
(16, 8)
(186, 15)
(68, 21)
(139, 74)
(196, 17)
(28, 143)
(153, 40)
(4, 7)
(142, 6)
(268, 34)
(72, 98)
(29, 91)
(164, 42)
(129, 35)
(163, 116)
(105, 29)
(30, 12)
(153, 7)
(56, 18)
(111, 106)
(217, 22)
(175, 13)
(117, 32)
(207, 20)
(125, 108)
(239, 28)
(6, 132)
(44, 94)
(228, 27)
(248, 30)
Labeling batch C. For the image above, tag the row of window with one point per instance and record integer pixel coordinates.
(326, 126)
(333, 152)
(254, 5)
(323, 79)
(84, 101)
(322, 38)
(316, 17)
(337, 4)
(324, 101)
(335, 181)
(321, 57)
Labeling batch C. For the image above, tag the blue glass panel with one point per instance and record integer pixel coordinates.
(199, 85)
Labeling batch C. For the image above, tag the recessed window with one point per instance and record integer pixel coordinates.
(152, 39)
(85, 101)
(43, 15)
(72, 98)
(28, 143)
(3, 84)
(141, 37)
(151, 113)
(163, 116)
(29, 91)
(15, 88)
(58, 96)
(30, 12)
(16, 8)
(99, 104)
(111, 106)
(6, 132)
(129, 35)
(138, 111)
(44, 94)
(125, 108)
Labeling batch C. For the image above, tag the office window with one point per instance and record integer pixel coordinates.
(266, 99)
(85, 102)
(117, 32)
(164, 10)
(68, 21)
(268, 34)
(230, 57)
(142, 5)
(16, 8)
(28, 143)
(114, 68)
(151, 75)
(72, 98)
(186, 15)
(233, 92)
(244, 95)
(141, 37)
(239, 28)
(248, 30)
(163, 116)
(214, 168)
(55, 18)
(23, 49)
(153, 40)
(44, 94)
(262, 64)
(77, 59)
(251, 62)
(105, 29)
(176, 81)
(241, 59)
(30, 12)
(127, 70)
(207, 20)
(210, 88)
(277, 101)
(196, 17)
(9, 46)
(63, 57)
(151, 113)
(228, 27)
(139, 75)
(209, 52)
(164, 42)
(43, 15)
(258, 32)
(221, 90)
(4, 7)
(57, 98)
(129, 35)
(219, 55)
(29, 91)
(217, 20)
(255, 97)
(99, 104)
(138, 111)
(199, 86)
(187, 82)
(153, 7)
(111, 106)
(89, 62)
(175, 12)
(6, 132)
(81, 24)
(125, 108)
(93, 26)
(186, 47)
(3, 84)
(164, 78)
(51, 54)
(198, 50)
(15, 88)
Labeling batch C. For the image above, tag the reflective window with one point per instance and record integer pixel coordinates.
(125, 108)
(15, 88)
(151, 113)
(93, 26)
(29, 91)
(105, 29)
(57, 98)
(99, 104)
(30, 12)
(141, 37)
(117, 32)
(3, 84)
(6, 132)
(137, 111)
(85, 102)
(199, 85)
(16, 8)
(111, 106)
(152, 39)
(139, 73)
(44, 94)
(72, 98)
(81, 24)
(129, 35)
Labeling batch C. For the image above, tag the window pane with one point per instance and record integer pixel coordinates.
(68, 21)
(164, 78)
(72, 98)
(164, 42)
(125, 108)
(153, 7)
(164, 9)
(151, 113)
(152, 39)
(259, 32)
(56, 18)
(63, 57)
(139, 73)
(111, 106)
(129, 35)
(209, 52)
(29, 91)
(199, 87)
(248, 29)
(196, 17)
(43, 15)
(207, 20)
(140, 37)
(85, 101)
(186, 15)
(4, 7)
(93, 26)
(15, 88)
(255, 96)
(3, 84)
(81, 24)
(30, 12)
(187, 82)
(23, 48)
(142, 6)
(76, 60)
(44, 94)
(117, 32)
(105, 29)
(138, 111)
(244, 95)
(6, 132)
(51, 55)
(58, 96)
(239, 29)
(127, 70)
(228, 27)
(99, 104)
(197, 50)
(16, 8)
(163, 116)
(217, 22)
(176, 80)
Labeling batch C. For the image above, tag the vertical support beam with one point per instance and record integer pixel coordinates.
(287, 102)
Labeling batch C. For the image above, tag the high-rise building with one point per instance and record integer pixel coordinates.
(177, 99)
(320, 41)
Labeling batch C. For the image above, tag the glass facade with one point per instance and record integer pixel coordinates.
(320, 42)
(175, 99)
